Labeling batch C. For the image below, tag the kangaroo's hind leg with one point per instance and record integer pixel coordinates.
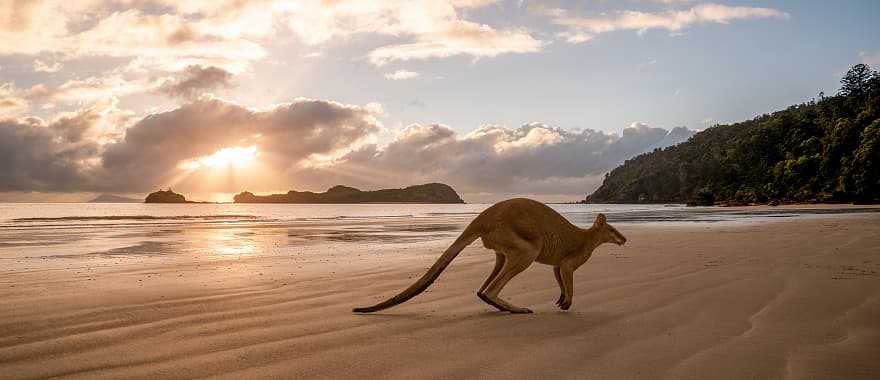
(512, 267)
(499, 263)
(519, 255)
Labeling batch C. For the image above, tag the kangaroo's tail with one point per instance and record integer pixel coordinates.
(467, 237)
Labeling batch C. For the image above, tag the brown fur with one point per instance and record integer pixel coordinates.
(520, 231)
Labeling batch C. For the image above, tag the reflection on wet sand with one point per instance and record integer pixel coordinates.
(230, 242)
(389, 233)
(213, 239)
(143, 248)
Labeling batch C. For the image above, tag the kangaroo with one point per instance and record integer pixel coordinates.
(520, 231)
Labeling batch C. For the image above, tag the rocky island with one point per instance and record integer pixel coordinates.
(110, 198)
(427, 193)
(166, 196)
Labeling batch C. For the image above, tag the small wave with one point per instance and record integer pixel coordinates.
(352, 217)
(138, 217)
(452, 213)
(377, 216)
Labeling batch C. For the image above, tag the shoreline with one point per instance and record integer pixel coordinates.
(720, 205)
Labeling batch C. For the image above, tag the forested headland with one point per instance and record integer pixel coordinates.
(824, 151)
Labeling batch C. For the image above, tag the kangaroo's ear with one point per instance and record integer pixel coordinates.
(600, 219)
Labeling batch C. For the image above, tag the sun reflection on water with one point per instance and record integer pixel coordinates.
(231, 242)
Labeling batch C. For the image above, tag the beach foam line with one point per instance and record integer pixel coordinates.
(452, 213)
(137, 217)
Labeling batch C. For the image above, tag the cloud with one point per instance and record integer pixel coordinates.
(285, 134)
(168, 36)
(870, 59)
(401, 75)
(40, 66)
(312, 55)
(305, 144)
(164, 34)
(186, 84)
(73, 128)
(88, 150)
(575, 37)
(195, 80)
(10, 102)
(90, 89)
(458, 38)
(434, 29)
(40, 156)
(165, 38)
(472, 3)
(11, 106)
(532, 159)
(581, 29)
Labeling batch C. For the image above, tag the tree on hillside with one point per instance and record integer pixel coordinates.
(858, 81)
(866, 162)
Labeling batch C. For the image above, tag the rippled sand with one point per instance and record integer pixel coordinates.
(793, 298)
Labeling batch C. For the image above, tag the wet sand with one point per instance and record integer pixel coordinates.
(796, 298)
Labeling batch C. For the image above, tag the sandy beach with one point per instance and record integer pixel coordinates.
(795, 298)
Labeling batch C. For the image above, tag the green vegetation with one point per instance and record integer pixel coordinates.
(826, 150)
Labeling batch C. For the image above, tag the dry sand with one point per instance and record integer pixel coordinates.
(788, 299)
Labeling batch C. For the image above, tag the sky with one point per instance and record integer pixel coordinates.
(495, 98)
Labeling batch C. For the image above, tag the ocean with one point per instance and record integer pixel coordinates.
(25, 216)
(77, 231)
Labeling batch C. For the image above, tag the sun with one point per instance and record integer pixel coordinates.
(231, 156)
(227, 157)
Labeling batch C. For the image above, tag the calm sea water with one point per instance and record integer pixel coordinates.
(32, 234)
(35, 215)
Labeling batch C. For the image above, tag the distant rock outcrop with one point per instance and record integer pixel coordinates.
(110, 198)
(427, 193)
(166, 196)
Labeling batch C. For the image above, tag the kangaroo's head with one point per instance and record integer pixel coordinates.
(607, 233)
